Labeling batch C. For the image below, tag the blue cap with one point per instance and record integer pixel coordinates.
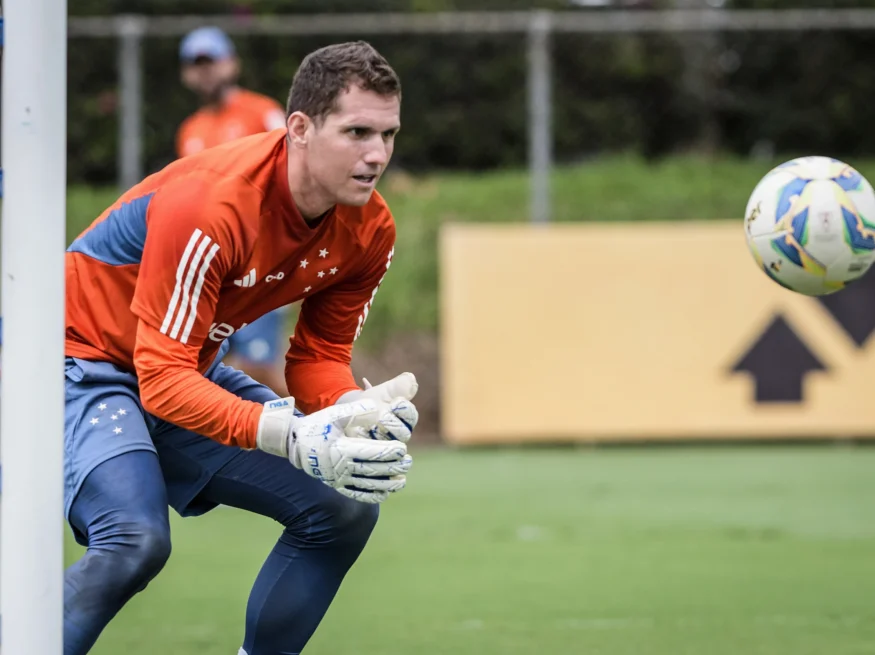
(206, 42)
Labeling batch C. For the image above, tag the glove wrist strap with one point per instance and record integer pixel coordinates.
(275, 427)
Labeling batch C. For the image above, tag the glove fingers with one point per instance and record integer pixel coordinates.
(388, 485)
(404, 386)
(365, 450)
(381, 469)
(369, 497)
(405, 411)
(394, 425)
(390, 428)
(359, 412)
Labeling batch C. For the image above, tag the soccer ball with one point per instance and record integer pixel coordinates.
(810, 225)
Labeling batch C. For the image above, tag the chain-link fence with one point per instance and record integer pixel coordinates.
(496, 89)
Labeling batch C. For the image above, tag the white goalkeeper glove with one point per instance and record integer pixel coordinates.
(367, 471)
(396, 415)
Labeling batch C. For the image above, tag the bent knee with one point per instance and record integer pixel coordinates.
(344, 519)
(359, 517)
(152, 547)
(137, 553)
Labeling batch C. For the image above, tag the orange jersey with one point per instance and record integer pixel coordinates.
(243, 113)
(200, 249)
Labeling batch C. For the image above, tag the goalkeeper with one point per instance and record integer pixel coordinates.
(157, 284)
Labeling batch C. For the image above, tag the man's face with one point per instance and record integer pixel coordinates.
(209, 77)
(349, 150)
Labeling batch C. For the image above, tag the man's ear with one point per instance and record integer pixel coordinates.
(297, 126)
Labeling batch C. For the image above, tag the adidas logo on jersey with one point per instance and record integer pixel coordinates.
(247, 281)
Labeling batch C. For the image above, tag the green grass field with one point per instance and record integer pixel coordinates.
(662, 551)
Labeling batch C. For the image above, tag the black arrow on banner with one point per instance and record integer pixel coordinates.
(854, 308)
(778, 361)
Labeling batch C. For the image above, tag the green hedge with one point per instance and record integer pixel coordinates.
(465, 95)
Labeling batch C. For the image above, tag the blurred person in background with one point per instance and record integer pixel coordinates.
(211, 69)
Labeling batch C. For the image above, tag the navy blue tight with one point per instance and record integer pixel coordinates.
(122, 511)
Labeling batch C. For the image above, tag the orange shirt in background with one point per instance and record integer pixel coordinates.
(242, 114)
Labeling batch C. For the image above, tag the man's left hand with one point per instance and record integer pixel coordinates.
(396, 413)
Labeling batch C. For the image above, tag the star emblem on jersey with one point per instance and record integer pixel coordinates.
(329, 266)
(116, 419)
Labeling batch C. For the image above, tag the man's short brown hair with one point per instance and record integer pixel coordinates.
(326, 73)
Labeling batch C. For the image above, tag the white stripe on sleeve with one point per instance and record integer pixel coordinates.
(186, 286)
(192, 315)
(180, 272)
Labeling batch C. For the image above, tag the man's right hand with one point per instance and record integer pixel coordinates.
(365, 470)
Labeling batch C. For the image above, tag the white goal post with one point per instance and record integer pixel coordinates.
(34, 115)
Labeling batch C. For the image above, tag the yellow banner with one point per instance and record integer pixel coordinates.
(642, 331)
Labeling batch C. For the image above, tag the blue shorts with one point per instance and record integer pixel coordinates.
(259, 342)
(104, 418)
